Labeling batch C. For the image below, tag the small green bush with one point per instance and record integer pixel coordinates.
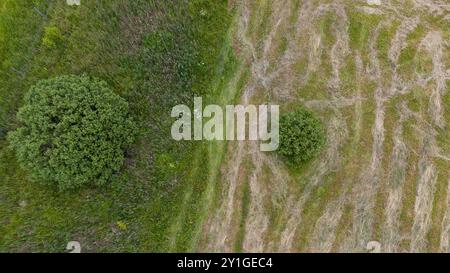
(74, 132)
(301, 135)
(52, 37)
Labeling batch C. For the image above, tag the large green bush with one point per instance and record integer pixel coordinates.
(301, 135)
(74, 132)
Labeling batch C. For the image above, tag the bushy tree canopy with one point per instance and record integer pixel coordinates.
(74, 132)
(301, 135)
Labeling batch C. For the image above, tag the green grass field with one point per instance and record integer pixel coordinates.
(154, 53)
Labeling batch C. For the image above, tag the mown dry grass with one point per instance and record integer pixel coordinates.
(369, 72)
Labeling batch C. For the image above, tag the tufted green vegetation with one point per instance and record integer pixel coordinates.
(74, 132)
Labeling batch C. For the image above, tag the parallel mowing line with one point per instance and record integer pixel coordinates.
(325, 230)
(399, 160)
(445, 240)
(390, 231)
(423, 206)
(367, 187)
